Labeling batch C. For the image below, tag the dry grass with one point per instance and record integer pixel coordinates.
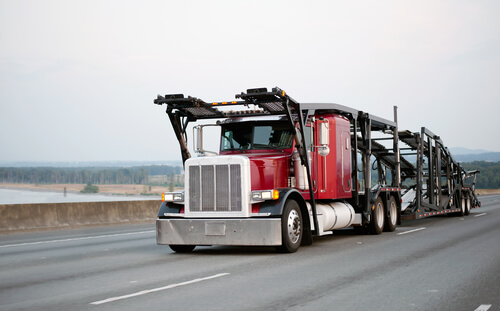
(487, 191)
(111, 189)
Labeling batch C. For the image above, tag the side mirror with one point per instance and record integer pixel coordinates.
(198, 140)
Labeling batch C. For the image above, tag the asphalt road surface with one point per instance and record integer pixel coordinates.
(440, 263)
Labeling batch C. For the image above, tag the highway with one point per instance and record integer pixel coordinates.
(440, 263)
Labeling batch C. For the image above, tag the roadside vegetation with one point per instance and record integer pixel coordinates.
(489, 178)
(90, 189)
(154, 175)
(166, 176)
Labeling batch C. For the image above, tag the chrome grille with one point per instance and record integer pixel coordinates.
(215, 188)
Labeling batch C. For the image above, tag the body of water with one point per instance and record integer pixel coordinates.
(11, 196)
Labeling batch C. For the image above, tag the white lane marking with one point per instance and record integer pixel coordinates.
(483, 308)
(479, 215)
(410, 231)
(145, 292)
(77, 239)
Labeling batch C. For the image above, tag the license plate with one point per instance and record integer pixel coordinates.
(215, 228)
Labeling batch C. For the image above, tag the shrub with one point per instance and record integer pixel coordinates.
(90, 189)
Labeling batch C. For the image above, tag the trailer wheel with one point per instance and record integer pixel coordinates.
(292, 228)
(463, 206)
(467, 205)
(391, 216)
(377, 220)
(182, 248)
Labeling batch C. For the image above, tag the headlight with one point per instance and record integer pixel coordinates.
(176, 197)
(263, 195)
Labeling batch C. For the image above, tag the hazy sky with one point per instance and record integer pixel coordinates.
(78, 78)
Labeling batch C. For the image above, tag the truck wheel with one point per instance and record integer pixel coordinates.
(463, 206)
(391, 216)
(378, 217)
(182, 248)
(467, 205)
(292, 228)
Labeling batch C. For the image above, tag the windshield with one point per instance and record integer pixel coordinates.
(247, 136)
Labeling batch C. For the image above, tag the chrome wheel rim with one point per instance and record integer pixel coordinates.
(393, 213)
(294, 226)
(379, 215)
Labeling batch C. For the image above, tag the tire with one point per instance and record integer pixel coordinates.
(307, 238)
(377, 220)
(292, 228)
(463, 206)
(182, 248)
(391, 216)
(467, 205)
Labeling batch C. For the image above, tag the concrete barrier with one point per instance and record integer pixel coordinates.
(20, 217)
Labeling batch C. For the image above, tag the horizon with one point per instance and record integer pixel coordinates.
(455, 151)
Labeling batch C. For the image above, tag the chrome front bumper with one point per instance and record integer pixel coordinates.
(247, 232)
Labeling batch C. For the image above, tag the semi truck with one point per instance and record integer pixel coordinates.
(287, 171)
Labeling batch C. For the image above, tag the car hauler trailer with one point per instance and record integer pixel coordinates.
(287, 171)
(438, 184)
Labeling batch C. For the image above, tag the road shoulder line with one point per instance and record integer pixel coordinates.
(411, 231)
(145, 292)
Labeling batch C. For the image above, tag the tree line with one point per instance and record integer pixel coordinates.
(84, 175)
(489, 177)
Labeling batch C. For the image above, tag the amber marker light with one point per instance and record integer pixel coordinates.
(263, 195)
(175, 197)
(276, 194)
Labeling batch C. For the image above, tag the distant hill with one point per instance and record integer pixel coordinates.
(460, 151)
(471, 155)
(486, 157)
